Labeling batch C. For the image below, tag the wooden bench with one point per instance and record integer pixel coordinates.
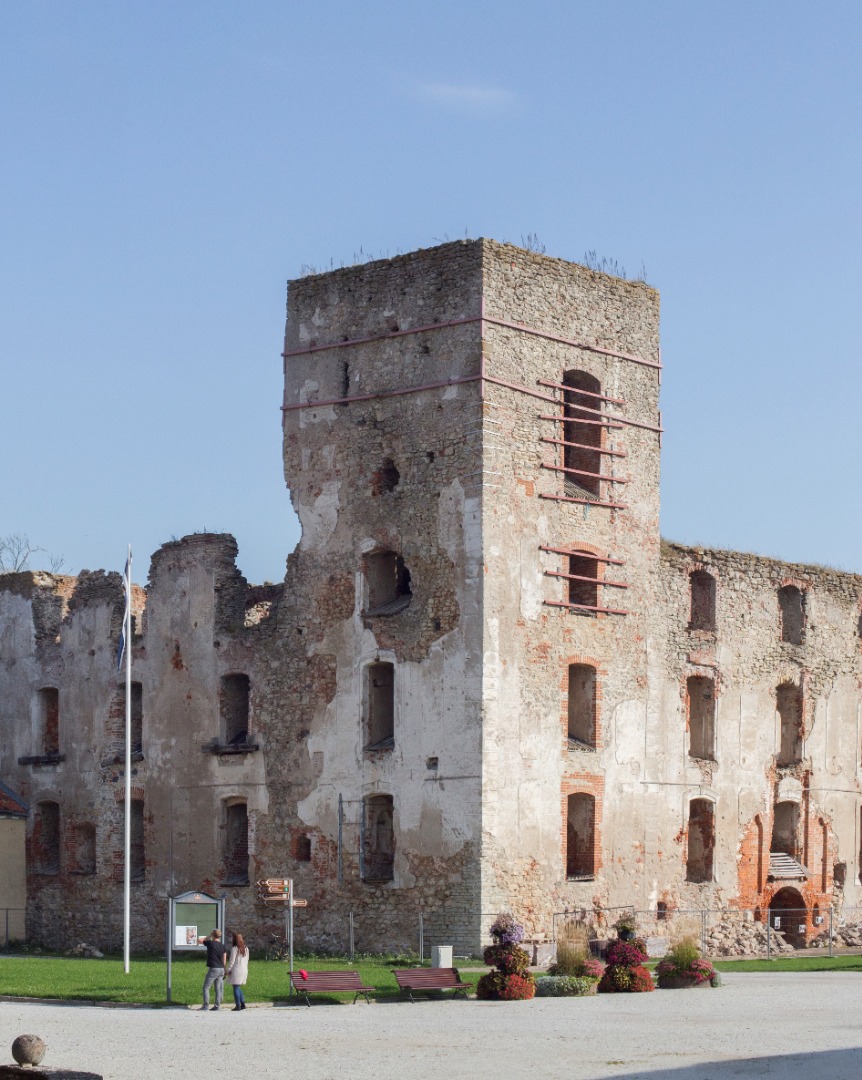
(330, 982)
(410, 979)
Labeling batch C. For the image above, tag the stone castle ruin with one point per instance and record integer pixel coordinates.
(485, 683)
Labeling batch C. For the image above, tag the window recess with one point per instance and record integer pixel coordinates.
(584, 582)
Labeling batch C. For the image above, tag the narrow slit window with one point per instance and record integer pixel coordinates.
(49, 720)
(785, 830)
(701, 841)
(580, 836)
(236, 844)
(84, 844)
(700, 694)
(582, 706)
(582, 433)
(584, 581)
(788, 703)
(378, 838)
(138, 849)
(702, 591)
(234, 702)
(791, 604)
(46, 838)
(379, 706)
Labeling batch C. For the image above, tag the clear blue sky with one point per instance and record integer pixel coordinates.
(168, 164)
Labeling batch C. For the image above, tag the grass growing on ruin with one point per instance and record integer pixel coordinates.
(74, 979)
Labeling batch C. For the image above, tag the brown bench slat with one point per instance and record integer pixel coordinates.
(330, 982)
(410, 979)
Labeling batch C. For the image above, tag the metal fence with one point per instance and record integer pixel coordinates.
(720, 933)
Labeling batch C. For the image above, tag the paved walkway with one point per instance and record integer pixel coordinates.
(783, 1026)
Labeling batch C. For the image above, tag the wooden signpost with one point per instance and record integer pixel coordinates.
(280, 891)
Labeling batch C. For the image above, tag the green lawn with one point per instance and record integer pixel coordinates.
(104, 980)
(794, 963)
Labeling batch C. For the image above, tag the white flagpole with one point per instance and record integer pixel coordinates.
(127, 869)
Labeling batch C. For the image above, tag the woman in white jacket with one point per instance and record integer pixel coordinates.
(237, 971)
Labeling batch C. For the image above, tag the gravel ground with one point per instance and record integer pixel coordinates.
(784, 1026)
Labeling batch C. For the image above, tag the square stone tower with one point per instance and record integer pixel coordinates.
(471, 441)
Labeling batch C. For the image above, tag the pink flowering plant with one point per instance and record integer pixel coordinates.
(684, 961)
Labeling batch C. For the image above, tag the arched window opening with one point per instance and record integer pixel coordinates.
(791, 604)
(379, 706)
(49, 720)
(700, 694)
(785, 830)
(388, 581)
(702, 588)
(84, 847)
(583, 582)
(138, 848)
(582, 433)
(580, 836)
(701, 841)
(234, 698)
(582, 706)
(236, 844)
(788, 703)
(377, 839)
(46, 838)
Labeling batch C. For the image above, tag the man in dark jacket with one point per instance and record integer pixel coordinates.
(216, 953)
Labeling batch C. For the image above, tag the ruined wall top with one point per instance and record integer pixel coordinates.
(762, 568)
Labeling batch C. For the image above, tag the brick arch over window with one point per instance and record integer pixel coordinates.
(582, 433)
(699, 862)
(702, 600)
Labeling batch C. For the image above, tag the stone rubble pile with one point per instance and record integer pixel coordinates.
(734, 938)
(88, 951)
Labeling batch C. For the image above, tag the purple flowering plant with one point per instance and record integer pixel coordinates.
(505, 931)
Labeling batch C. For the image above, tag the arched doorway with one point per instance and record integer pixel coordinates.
(787, 913)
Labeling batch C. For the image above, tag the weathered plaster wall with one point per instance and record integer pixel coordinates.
(415, 405)
(529, 770)
(395, 468)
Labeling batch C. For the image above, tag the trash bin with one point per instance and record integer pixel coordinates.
(441, 956)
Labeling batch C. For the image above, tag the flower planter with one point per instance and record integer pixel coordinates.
(681, 982)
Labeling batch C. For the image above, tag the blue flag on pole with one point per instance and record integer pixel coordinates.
(127, 592)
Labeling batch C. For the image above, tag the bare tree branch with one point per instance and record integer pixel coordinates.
(15, 552)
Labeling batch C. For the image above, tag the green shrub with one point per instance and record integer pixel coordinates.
(563, 986)
(683, 953)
